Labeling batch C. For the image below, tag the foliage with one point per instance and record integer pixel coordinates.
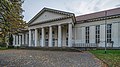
(11, 18)
(11, 47)
(112, 57)
(2, 44)
(3, 48)
(10, 39)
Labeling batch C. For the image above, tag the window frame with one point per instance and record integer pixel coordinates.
(87, 32)
(109, 33)
(97, 34)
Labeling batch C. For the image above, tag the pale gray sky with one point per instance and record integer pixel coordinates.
(78, 7)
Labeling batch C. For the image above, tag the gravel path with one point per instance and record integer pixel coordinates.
(37, 58)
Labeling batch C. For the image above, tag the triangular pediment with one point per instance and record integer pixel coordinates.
(47, 14)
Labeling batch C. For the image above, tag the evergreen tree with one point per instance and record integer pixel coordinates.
(11, 18)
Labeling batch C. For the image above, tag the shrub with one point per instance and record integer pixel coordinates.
(10, 39)
(3, 44)
(10, 46)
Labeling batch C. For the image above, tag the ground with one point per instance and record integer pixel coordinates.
(112, 57)
(37, 58)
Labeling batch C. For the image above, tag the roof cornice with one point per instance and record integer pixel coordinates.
(52, 20)
(100, 18)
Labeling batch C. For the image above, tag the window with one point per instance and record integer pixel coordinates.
(53, 32)
(109, 26)
(97, 34)
(46, 33)
(67, 41)
(40, 33)
(15, 40)
(24, 38)
(27, 38)
(21, 38)
(18, 39)
(53, 42)
(67, 32)
(87, 34)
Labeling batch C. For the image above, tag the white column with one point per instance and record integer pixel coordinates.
(23, 39)
(92, 34)
(26, 39)
(30, 32)
(43, 38)
(20, 40)
(70, 35)
(59, 36)
(14, 40)
(50, 37)
(36, 37)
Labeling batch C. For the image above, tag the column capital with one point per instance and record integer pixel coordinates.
(59, 24)
(42, 27)
(30, 29)
(36, 28)
(70, 23)
(50, 26)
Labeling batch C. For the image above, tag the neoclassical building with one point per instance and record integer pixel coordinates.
(55, 28)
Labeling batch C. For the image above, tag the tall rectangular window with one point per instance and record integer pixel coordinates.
(109, 27)
(18, 39)
(87, 34)
(24, 38)
(27, 39)
(15, 40)
(97, 34)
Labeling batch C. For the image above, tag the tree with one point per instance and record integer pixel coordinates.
(11, 17)
(10, 39)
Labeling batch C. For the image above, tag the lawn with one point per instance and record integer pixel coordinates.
(112, 57)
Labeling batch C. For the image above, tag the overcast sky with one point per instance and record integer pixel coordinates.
(78, 7)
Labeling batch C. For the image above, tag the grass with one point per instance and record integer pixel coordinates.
(112, 57)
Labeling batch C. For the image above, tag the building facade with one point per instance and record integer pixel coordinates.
(55, 28)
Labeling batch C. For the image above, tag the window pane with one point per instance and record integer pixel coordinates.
(97, 34)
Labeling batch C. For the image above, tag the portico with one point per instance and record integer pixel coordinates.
(51, 36)
(51, 28)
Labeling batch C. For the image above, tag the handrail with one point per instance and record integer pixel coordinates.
(85, 45)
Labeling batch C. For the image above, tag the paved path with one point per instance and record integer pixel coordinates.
(37, 58)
